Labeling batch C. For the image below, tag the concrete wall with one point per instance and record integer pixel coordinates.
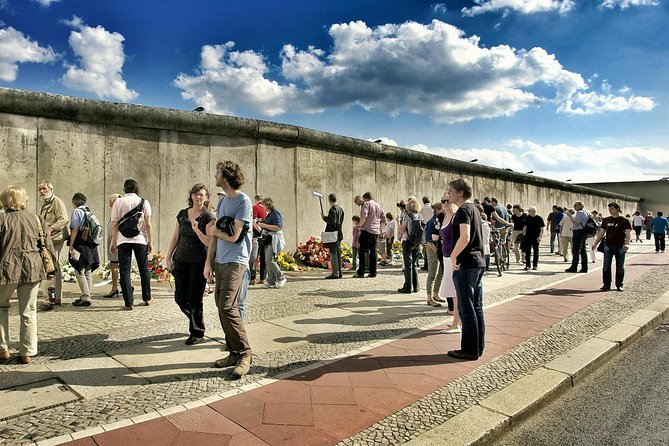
(654, 194)
(93, 146)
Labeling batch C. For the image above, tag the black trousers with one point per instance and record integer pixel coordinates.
(578, 249)
(532, 246)
(367, 253)
(410, 259)
(659, 241)
(189, 286)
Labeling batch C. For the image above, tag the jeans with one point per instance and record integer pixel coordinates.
(229, 279)
(578, 250)
(649, 231)
(659, 241)
(354, 258)
(335, 259)
(125, 251)
(553, 237)
(410, 258)
(367, 253)
(85, 281)
(532, 245)
(189, 286)
(254, 257)
(637, 231)
(619, 254)
(274, 273)
(469, 290)
(27, 296)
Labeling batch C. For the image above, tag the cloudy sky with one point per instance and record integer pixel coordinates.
(568, 89)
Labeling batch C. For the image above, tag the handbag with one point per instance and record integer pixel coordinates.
(600, 247)
(47, 258)
(329, 237)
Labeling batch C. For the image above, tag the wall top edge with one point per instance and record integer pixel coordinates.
(48, 105)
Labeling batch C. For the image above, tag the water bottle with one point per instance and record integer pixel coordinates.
(52, 294)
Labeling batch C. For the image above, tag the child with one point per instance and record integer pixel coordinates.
(485, 229)
(388, 236)
(356, 241)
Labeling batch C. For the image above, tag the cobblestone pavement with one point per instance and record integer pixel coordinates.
(67, 334)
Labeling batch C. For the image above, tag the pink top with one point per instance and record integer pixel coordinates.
(374, 216)
(121, 207)
(356, 237)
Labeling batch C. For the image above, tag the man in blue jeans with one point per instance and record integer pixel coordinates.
(660, 225)
(615, 233)
(468, 267)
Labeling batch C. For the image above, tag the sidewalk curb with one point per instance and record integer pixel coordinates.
(501, 411)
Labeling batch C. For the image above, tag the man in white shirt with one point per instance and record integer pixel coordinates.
(140, 244)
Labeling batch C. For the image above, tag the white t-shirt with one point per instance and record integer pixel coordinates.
(389, 229)
(637, 220)
(426, 213)
(121, 207)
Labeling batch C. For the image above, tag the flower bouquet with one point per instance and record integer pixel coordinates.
(156, 268)
(287, 262)
(312, 253)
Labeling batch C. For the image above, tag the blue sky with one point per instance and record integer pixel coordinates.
(568, 89)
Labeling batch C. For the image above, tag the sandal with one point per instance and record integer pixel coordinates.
(433, 303)
(437, 299)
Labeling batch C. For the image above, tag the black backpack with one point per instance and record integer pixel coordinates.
(130, 223)
(414, 232)
(591, 226)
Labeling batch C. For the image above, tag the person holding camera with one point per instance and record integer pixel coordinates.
(333, 223)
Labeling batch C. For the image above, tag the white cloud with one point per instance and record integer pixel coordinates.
(439, 8)
(101, 58)
(521, 6)
(16, 48)
(46, 3)
(590, 103)
(624, 4)
(432, 69)
(563, 161)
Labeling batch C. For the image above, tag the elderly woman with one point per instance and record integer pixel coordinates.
(409, 250)
(112, 256)
(273, 243)
(84, 256)
(21, 269)
(186, 256)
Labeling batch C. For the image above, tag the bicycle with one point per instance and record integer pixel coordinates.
(500, 250)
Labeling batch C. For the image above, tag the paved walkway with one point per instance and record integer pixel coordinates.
(316, 402)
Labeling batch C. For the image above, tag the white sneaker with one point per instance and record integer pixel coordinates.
(281, 283)
(268, 285)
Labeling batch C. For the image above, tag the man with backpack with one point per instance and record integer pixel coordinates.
(411, 234)
(581, 230)
(131, 233)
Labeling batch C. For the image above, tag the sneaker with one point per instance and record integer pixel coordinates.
(81, 303)
(252, 282)
(148, 302)
(231, 360)
(192, 340)
(268, 285)
(128, 307)
(459, 354)
(620, 288)
(281, 282)
(243, 365)
(605, 288)
(534, 268)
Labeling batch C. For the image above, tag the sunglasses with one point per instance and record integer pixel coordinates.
(444, 201)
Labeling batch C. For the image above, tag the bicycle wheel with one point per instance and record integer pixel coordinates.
(506, 257)
(499, 258)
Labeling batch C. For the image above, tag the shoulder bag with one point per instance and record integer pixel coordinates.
(47, 259)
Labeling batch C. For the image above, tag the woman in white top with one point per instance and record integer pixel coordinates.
(637, 224)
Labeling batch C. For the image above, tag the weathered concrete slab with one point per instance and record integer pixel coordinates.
(33, 373)
(661, 305)
(167, 360)
(519, 399)
(475, 425)
(265, 337)
(96, 375)
(646, 319)
(622, 334)
(34, 396)
(579, 361)
(329, 320)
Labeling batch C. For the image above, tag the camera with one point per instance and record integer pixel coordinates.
(401, 205)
